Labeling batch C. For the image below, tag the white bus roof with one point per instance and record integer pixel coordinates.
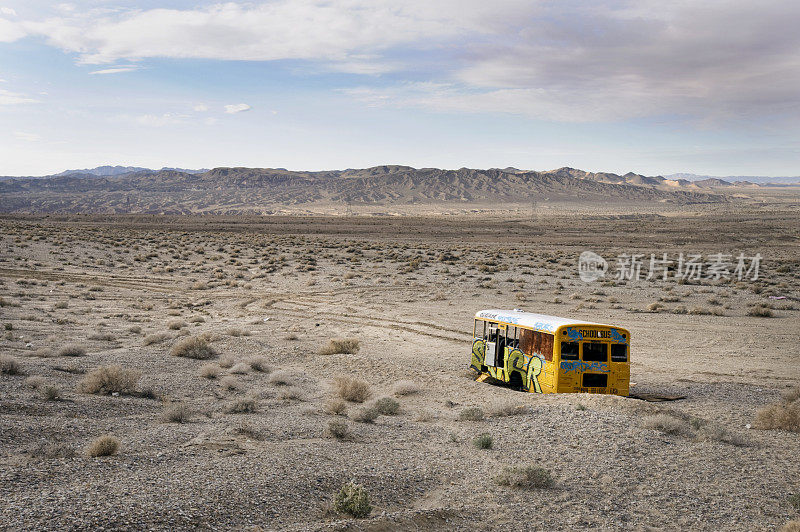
(539, 322)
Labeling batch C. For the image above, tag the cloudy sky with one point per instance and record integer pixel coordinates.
(710, 87)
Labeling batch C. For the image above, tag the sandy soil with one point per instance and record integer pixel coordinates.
(280, 287)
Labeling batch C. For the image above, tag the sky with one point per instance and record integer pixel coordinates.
(652, 87)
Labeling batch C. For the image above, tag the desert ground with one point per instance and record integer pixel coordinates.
(263, 430)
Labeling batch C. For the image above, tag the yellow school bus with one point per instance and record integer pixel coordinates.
(547, 354)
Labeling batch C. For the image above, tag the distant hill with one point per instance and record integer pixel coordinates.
(733, 179)
(121, 170)
(266, 190)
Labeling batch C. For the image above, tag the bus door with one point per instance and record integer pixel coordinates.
(491, 345)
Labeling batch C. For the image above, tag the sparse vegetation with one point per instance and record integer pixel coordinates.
(241, 405)
(156, 338)
(402, 388)
(281, 378)
(386, 406)
(72, 350)
(366, 414)
(483, 441)
(109, 380)
(353, 390)
(472, 413)
(353, 500)
(195, 348)
(10, 366)
(528, 477)
(176, 413)
(335, 346)
(665, 423)
(335, 406)
(783, 416)
(259, 364)
(338, 429)
(103, 446)
(209, 371)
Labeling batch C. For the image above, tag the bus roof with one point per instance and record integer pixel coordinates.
(539, 322)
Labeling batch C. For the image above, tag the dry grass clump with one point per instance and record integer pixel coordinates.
(194, 347)
(156, 338)
(281, 378)
(338, 429)
(506, 409)
(483, 441)
(176, 325)
(529, 477)
(176, 413)
(714, 432)
(209, 371)
(290, 394)
(43, 352)
(9, 365)
(237, 332)
(259, 364)
(103, 446)
(50, 392)
(366, 414)
(337, 346)
(103, 337)
(226, 362)
(386, 406)
(351, 389)
(108, 380)
(792, 395)
(352, 500)
(665, 423)
(35, 382)
(402, 388)
(241, 405)
(52, 450)
(72, 350)
(783, 416)
(336, 407)
(760, 311)
(472, 413)
(240, 369)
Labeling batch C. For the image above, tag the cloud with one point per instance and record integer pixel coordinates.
(8, 12)
(28, 137)
(572, 60)
(115, 70)
(200, 108)
(237, 108)
(166, 119)
(13, 98)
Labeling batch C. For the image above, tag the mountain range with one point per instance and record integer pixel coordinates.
(267, 190)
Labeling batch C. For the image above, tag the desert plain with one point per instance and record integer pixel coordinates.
(262, 430)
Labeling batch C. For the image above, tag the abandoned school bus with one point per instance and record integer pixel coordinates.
(547, 354)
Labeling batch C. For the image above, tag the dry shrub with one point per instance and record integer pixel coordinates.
(156, 338)
(259, 364)
(176, 413)
(664, 423)
(9, 365)
(104, 337)
(52, 450)
(386, 406)
(507, 409)
(792, 395)
(226, 362)
(175, 325)
(71, 350)
(338, 429)
(209, 371)
(760, 311)
(529, 477)
(351, 389)
(335, 406)
(472, 413)
(366, 414)
(109, 379)
(402, 388)
(249, 431)
(784, 416)
(43, 352)
(242, 405)
(348, 346)
(483, 441)
(791, 526)
(289, 394)
(51, 393)
(240, 369)
(193, 347)
(352, 500)
(714, 432)
(35, 382)
(103, 446)
(281, 378)
(229, 383)
(237, 332)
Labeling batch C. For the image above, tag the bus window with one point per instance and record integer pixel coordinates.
(526, 341)
(595, 352)
(619, 352)
(512, 335)
(547, 346)
(569, 350)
